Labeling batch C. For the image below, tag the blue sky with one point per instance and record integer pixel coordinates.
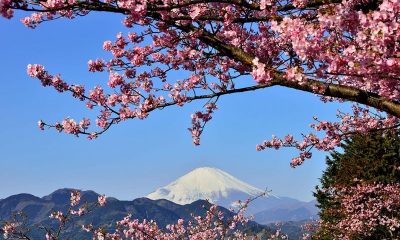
(135, 157)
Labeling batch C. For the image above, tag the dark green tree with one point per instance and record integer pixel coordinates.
(372, 158)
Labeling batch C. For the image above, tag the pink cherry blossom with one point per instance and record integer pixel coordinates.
(365, 208)
(75, 198)
(102, 200)
(70, 126)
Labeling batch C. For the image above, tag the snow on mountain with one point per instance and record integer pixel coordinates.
(207, 183)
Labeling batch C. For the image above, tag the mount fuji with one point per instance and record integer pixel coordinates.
(206, 183)
(223, 189)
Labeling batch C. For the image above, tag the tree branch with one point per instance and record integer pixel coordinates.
(346, 93)
(332, 90)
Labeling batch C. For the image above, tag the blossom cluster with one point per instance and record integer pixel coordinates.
(367, 209)
(360, 121)
(214, 225)
(8, 229)
(199, 120)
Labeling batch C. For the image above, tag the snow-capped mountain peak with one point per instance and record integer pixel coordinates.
(208, 183)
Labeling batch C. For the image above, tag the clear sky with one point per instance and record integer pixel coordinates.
(135, 157)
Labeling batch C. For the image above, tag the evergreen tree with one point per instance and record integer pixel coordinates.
(372, 158)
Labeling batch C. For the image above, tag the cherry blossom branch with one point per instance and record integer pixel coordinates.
(331, 90)
(339, 50)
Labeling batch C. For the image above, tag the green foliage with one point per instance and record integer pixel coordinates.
(373, 158)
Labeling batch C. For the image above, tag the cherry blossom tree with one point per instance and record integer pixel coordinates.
(367, 211)
(340, 50)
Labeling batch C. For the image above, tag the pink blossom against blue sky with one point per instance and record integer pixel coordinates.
(137, 156)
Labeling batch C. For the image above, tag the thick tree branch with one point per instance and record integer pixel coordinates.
(344, 92)
(331, 90)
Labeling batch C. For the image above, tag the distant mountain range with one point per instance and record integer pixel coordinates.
(224, 190)
(162, 211)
